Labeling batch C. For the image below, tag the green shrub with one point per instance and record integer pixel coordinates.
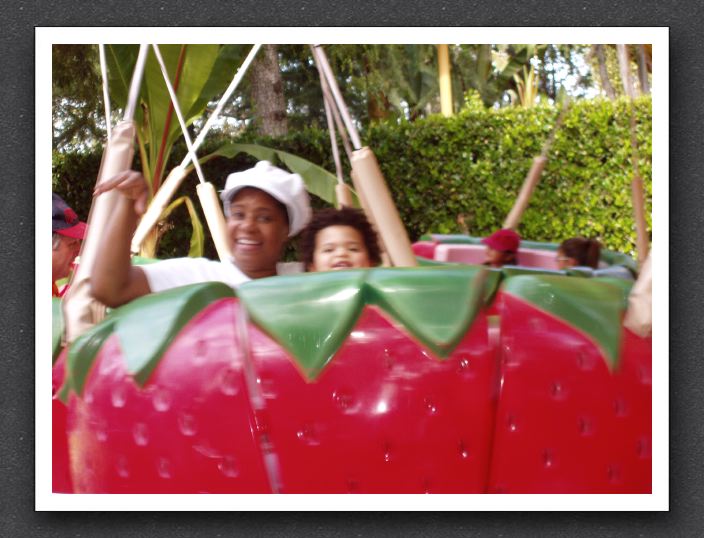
(474, 164)
(471, 165)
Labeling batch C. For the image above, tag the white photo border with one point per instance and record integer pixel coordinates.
(658, 500)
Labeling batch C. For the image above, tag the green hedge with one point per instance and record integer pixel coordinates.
(472, 164)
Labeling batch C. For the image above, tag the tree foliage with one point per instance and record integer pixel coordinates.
(379, 83)
(479, 158)
(77, 99)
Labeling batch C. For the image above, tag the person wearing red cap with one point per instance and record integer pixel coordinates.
(67, 231)
(502, 248)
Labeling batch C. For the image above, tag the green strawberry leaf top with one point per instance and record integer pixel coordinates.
(57, 327)
(593, 306)
(145, 327)
(436, 306)
(309, 314)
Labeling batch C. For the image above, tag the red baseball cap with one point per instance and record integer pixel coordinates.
(503, 240)
(64, 220)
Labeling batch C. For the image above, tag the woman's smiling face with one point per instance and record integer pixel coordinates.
(258, 229)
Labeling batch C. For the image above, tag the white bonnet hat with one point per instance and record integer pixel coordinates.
(287, 188)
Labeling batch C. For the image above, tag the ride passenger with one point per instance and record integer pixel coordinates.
(502, 248)
(578, 252)
(264, 207)
(338, 239)
(66, 235)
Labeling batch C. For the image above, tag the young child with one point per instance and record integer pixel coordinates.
(502, 248)
(338, 239)
(578, 251)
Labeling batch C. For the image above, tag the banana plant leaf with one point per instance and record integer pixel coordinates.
(203, 73)
(197, 237)
(318, 180)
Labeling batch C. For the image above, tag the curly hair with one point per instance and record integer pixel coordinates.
(585, 251)
(346, 216)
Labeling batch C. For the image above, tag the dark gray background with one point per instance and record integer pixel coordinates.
(17, 516)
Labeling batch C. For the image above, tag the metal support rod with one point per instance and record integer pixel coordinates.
(333, 142)
(637, 196)
(106, 95)
(136, 83)
(226, 96)
(331, 127)
(332, 83)
(513, 219)
(327, 96)
(179, 114)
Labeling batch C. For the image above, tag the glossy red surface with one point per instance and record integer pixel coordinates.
(564, 423)
(425, 249)
(60, 474)
(189, 430)
(384, 416)
(227, 411)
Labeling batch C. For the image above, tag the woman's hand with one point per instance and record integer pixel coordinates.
(131, 184)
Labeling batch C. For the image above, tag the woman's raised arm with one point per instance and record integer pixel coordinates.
(114, 280)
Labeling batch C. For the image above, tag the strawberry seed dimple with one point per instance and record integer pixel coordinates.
(118, 396)
(140, 434)
(228, 467)
(163, 468)
(187, 424)
(161, 400)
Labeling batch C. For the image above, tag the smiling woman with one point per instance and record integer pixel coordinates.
(264, 206)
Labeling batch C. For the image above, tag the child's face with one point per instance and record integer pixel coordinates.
(564, 262)
(339, 247)
(494, 258)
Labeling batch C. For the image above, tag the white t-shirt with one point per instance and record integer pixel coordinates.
(177, 272)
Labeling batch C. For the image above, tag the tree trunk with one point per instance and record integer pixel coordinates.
(378, 107)
(378, 104)
(603, 73)
(642, 69)
(268, 94)
(624, 64)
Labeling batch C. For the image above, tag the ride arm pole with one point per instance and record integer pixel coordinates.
(343, 195)
(106, 94)
(332, 84)
(327, 97)
(513, 219)
(637, 195)
(529, 184)
(81, 310)
(371, 186)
